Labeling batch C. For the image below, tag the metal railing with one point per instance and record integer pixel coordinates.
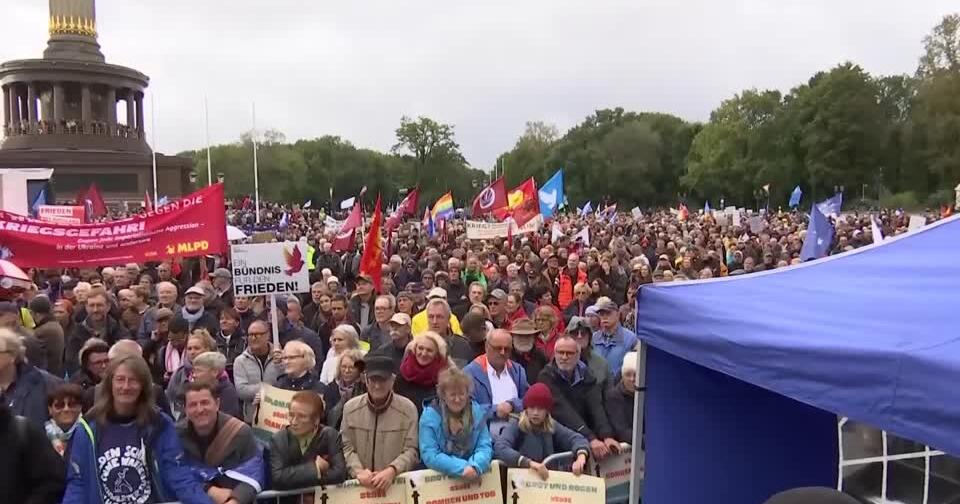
(276, 495)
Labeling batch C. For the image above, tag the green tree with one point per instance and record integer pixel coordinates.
(941, 48)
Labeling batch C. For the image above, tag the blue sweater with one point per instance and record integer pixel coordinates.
(433, 442)
(481, 384)
(614, 347)
(171, 478)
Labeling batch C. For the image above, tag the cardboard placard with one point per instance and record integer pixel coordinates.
(525, 487)
(270, 268)
(479, 230)
(615, 473)
(350, 492)
(272, 415)
(431, 487)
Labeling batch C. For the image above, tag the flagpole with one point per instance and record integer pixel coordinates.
(256, 171)
(206, 121)
(153, 133)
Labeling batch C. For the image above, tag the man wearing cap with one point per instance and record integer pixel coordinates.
(49, 333)
(400, 337)
(525, 352)
(195, 313)
(498, 382)
(362, 303)
(420, 323)
(581, 332)
(379, 429)
(613, 340)
(223, 287)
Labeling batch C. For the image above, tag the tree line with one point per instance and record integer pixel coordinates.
(892, 140)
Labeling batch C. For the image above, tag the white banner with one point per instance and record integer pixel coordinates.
(269, 268)
(479, 230)
(525, 487)
(61, 214)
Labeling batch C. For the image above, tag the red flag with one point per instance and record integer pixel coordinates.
(97, 207)
(523, 202)
(147, 202)
(372, 259)
(491, 198)
(946, 211)
(407, 207)
(344, 240)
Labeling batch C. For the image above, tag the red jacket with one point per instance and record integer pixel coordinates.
(565, 286)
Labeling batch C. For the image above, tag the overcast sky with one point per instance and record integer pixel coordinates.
(354, 68)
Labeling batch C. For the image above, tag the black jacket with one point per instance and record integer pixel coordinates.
(353, 308)
(309, 381)
(619, 408)
(334, 401)
(533, 361)
(418, 394)
(289, 333)
(113, 333)
(579, 405)
(289, 468)
(31, 471)
(233, 349)
(206, 321)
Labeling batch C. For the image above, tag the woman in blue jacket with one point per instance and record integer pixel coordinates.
(454, 437)
(125, 450)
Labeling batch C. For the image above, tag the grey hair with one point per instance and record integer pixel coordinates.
(12, 342)
(124, 347)
(348, 331)
(390, 298)
(308, 353)
(441, 302)
(490, 334)
(213, 360)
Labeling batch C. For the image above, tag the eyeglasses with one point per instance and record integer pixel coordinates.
(256, 334)
(66, 404)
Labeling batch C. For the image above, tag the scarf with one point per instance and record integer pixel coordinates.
(173, 359)
(57, 436)
(425, 376)
(346, 390)
(459, 444)
(191, 318)
(380, 408)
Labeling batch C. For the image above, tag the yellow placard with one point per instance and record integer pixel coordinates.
(525, 487)
(272, 415)
(350, 492)
(431, 487)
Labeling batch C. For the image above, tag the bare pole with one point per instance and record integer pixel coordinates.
(153, 133)
(256, 171)
(206, 115)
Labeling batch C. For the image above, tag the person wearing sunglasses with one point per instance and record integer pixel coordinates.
(64, 403)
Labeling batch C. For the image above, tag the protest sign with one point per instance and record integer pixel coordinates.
(916, 222)
(615, 473)
(736, 218)
(193, 225)
(525, 487)
(263, 237)
(272, 415)
(636, 213)
(479, 230)
(757, 224)
(350, 492)
(62, 213)
(269, 268)
(431, 487)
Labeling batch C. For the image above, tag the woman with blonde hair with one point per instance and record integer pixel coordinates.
(343, 337)
(454, 437)
(423, 360)
(536, 435)
(550, 327)
(299, 362)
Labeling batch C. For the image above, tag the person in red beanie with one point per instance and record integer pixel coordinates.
(536, 435)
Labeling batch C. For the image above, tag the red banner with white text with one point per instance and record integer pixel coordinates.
(193, 225)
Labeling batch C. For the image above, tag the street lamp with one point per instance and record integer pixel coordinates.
(957, 202)
(220, 177)
(193, 178)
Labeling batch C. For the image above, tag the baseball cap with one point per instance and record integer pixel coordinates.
(591, 311)
(576, 324)
(221, 273)
(379, 366)
(195, 290)
(497, 294)
(606, 305)
(364, 277)
(400, 319)
(437, 292)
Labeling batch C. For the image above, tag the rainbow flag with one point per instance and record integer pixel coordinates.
(443, 208)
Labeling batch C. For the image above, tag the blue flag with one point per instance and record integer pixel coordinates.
(587, 209)
(819, 236)
(431, 226)
(551, 195)
(831, 205)
(795, 197)
(41, 199)
(284, 221)
(308, 204)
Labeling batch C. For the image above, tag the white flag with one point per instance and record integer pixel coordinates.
(308, 204)
(347, 203)
(875, 230)
(583, 236)
(556, 233)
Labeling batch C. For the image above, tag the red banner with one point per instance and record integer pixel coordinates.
(193, 225)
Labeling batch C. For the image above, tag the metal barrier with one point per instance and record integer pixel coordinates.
(276, 495)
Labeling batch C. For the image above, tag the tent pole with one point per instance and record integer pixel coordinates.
(638, 454)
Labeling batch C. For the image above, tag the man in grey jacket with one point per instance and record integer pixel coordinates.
(256, 365)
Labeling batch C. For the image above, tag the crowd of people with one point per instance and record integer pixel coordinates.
(144, 380)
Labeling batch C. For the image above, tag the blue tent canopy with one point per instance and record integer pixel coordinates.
(873, 334)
